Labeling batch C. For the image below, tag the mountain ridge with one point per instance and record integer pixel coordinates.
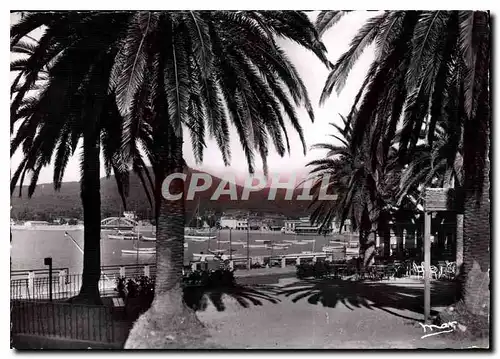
(47, 204)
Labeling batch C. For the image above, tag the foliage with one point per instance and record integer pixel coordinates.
(139, 292)
(430, 70)
(320, 269)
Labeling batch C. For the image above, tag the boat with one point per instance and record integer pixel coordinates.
(236, 243)
(281, 245)
(332, 248)
(217, 251)
(121, 236)
(199, 238)
(256, 246)
(139, 251)
(336, 242)
(223, 242)
(307, 241)
(146, 238)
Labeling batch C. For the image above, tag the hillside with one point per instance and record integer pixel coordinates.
(48, 204)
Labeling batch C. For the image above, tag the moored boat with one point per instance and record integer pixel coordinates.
(199, 238)
(256, 246)
(139, 251)
(332, 248)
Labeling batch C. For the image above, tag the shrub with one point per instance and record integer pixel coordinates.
(138, 293)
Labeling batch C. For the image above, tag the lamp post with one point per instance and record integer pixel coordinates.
(248, 244)
(230, 246)
(48, 262)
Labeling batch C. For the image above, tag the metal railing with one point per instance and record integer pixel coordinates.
(36, 284)
(63, 320)
(63, 286)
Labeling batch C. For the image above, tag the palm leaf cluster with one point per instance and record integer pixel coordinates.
(151, 72)
(424, 98)
(58, 99)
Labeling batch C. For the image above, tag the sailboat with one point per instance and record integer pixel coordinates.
(137, 250)
(196, 234)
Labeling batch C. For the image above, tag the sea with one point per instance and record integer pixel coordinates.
(29, 247)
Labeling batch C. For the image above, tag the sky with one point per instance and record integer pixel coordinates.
(314, 75)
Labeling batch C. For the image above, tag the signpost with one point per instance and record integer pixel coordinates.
(435, 200)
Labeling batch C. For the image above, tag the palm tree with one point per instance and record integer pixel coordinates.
(46, 129)
(429, 65)
(435, 166)
(363, 196)
(195, 71)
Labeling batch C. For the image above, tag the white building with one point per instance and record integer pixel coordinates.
(300, 226)
(233, 223)
(129, 215)
(36, 223)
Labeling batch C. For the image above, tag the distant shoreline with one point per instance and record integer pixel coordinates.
(21, 227)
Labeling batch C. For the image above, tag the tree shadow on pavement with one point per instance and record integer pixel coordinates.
(371, 295)
(198, 298)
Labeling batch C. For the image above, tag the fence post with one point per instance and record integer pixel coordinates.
(62, 277)
(298, 261)
(31, 283)
(283, 262)
(122, 272)
(146, 271)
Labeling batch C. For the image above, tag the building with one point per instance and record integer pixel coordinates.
(227, 222)
(233, 223)
(129, 215)
(345, 228)
(301, 226)
(242, 224)
(255, 223)
(36, 223)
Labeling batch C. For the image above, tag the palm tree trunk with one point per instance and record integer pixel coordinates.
(477, 237)
(168, 315)
(459, 242)
(91, 202)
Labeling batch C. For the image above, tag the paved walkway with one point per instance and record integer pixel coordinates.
(323, 314)
(329, 315)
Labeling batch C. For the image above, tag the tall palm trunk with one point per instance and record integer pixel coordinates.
(477, 239)
(91, 201)
(459, 242)
(170, 239)
(367, 240)
(168, 314)
(477, 220)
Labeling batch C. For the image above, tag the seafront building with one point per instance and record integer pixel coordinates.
(304, 225)
(36, 223)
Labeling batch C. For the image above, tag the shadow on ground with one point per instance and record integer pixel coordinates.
(371, 295)
(198, 298)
